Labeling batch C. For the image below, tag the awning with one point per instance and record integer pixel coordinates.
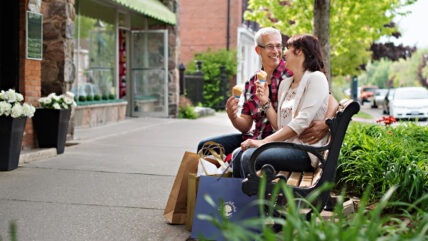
(152, 8)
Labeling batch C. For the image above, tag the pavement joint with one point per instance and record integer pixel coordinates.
(99, 171)
(79, 204)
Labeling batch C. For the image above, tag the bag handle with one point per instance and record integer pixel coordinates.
(207, 148)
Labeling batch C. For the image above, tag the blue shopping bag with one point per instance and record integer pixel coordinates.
(238, 206)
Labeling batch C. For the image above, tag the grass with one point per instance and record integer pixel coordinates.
(366, 224)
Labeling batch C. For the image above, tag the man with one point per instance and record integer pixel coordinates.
(269, 48)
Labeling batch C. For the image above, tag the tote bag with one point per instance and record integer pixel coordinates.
(238, 205)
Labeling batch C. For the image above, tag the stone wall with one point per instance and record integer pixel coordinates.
(58, 31)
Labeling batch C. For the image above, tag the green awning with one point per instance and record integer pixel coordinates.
(152, 8)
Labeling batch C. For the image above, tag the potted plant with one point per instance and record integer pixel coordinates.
(13, 116)
(51, 120)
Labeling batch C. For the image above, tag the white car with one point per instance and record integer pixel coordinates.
(409, 103)
(378, 97)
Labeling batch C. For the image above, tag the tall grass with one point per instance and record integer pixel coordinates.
(378, 157)
(411, 224)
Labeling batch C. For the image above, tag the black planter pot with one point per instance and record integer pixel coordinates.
(50, 126)
(11, 133)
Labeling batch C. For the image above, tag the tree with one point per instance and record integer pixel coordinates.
(353, 25)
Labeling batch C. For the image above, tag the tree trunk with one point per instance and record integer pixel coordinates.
(322, 31)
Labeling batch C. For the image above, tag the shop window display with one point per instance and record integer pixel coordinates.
(94, 58)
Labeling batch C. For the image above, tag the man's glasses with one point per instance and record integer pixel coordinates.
(271, 47)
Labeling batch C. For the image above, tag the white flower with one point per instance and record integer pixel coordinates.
(56, 106)
(48, 100)
(68, 101)
(28, 110)
(10, 96)
(19, 97)
(5, 108)
(17, 110)
(69, 94)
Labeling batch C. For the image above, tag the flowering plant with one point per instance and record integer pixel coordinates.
(53, 101)
(10, 105)
(387, 120)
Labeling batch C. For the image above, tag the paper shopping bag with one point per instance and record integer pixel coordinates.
(192, 190)
(238, 206)
(175, 210)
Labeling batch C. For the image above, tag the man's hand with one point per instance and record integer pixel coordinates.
(232, 107)
(315, 132)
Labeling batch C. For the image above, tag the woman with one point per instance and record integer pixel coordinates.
(302, 99)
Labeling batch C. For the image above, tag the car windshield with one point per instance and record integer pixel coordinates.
(411, 94)
(381, 92)
(369, 89)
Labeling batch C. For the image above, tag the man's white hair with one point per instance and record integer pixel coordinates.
(265, 31)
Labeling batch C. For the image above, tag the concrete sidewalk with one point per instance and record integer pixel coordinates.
(112, 185)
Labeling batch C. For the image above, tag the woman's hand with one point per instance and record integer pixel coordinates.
(251, 143)
(262, 92)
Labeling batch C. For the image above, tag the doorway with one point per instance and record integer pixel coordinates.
(9, 45)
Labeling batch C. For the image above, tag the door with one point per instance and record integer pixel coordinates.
(149, 73)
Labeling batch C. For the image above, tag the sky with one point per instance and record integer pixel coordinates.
(413, 27)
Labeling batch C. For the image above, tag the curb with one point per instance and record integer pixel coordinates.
(36, 155)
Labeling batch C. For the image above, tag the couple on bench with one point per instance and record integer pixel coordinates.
(290, 104)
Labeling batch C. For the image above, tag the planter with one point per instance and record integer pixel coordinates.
(11, 133)
(50, 126)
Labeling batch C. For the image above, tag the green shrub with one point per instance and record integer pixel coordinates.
(375, 224)
(104, 97)
(211, 62)
(379, 157)
(90, 98)
(111, 96)
(82, 98)
(97, 97)
(187, 112)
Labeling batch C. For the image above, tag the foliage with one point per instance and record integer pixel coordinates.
(10, 105)
(82, 98)
(375, 224)
(390, 51)
(89, 98)
(187, 112)
(97, 97)
(111, 96)
(379, 157)
(104, 97)
(354, 25)
(53, 101)
(211, 62)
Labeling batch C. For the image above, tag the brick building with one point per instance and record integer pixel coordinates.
(149, 57)
(218, 25)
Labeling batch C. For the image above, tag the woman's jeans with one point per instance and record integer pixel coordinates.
(282, 159)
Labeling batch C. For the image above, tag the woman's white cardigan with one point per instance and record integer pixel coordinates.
(310, 104)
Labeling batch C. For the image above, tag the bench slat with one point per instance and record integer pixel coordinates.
(294, 179)
(307, 179)
(317, 176)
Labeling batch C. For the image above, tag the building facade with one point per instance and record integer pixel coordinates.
(126, 49)
(215, 25)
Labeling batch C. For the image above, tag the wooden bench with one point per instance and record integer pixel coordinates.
(303, 183)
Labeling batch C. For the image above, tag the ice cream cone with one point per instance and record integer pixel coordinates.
(236, 91)
(261, 76)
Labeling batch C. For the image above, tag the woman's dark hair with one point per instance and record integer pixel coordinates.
(311, 48)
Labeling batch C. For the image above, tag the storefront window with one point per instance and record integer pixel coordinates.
(94, 58)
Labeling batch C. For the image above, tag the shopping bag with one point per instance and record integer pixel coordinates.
(238, 206)
(211, 161)
(192, 190)
(175, 210)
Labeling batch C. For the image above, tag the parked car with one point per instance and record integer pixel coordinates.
(409, 103)
(366, 93)
(378, 97)
(386, 100)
